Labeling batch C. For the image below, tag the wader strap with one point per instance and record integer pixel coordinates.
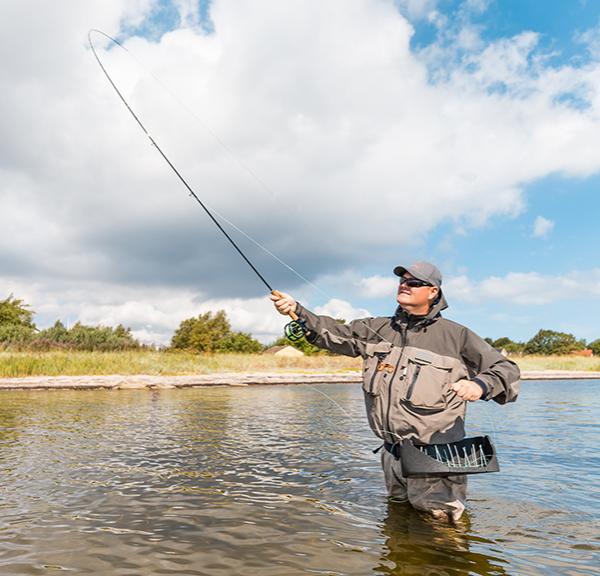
(393, 449)
(378, 449)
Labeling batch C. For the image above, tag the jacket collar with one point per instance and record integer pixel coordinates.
(402, 317)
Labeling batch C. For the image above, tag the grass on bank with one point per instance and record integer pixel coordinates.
(61, 363)
(558, 363)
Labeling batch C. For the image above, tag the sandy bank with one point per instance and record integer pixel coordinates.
(117, 382)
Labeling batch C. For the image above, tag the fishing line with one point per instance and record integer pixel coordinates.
(166, 159)
(211, 212)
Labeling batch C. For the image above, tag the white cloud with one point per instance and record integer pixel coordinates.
(542, 227)
(528, 288)
(377, 286)
(153, 313)
(359, 149)
(337, 308)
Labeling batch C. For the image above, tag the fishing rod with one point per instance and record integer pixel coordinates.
(295, 329)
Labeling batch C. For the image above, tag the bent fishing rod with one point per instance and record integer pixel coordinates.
(296, 329)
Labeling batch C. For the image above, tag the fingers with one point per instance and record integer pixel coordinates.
(467, 390)
(284, 303)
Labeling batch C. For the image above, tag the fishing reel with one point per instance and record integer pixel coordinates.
(295, 330)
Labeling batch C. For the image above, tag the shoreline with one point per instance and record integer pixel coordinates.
(142, 381)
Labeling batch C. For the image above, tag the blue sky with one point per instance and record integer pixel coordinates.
(572, 204)
(464, 132)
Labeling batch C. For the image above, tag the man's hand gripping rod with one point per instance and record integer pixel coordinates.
(296, 329)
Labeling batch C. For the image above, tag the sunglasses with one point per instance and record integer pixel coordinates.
(413, 283)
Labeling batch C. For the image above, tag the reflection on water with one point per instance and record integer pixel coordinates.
(279, 480)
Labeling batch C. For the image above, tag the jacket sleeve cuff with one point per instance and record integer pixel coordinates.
(483, 387)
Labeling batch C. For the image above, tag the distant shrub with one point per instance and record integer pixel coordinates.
(14, 312)
(211, 332)
(16, 336)
(549, 342)
(85, 338)
(595, 347)
(507, 344)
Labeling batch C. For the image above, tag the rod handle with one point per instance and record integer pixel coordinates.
(277, 293)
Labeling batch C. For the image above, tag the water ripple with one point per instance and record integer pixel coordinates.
(279, 480)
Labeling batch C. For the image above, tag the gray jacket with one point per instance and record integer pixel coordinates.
(409, 365)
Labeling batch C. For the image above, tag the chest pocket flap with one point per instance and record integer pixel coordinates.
(427, 379)
(380, 358)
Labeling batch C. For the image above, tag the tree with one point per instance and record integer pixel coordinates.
(82, 337)
(595, 347)
(241, 342)
(507, 344)
(210, 332)
(550, 342)
(15, 312)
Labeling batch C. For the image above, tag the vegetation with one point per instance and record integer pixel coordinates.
(507, 344)
(206, 344)
(550, 343)
(18, 332)
(153, 362)
(595, 347)
(303, 345)
(545, 343)
(212, 333)
(558, 363)
(14, 312)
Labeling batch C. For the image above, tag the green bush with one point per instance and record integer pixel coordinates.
(595, 347)
(550, 342)
(210, 332)
(14, 312)
(88, 338)
(239, 342)
(509, 345)
(16, 336)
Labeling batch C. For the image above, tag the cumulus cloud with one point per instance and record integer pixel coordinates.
(526, 288)
(153, 312)
(377, 286)
(542, 227)
(341, 309)
(360, 144)
(419, 9)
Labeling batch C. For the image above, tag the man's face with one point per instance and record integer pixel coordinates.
(413, 297)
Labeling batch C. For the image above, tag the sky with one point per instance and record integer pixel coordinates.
(344, 137)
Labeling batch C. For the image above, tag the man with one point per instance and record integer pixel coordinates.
(419, 371)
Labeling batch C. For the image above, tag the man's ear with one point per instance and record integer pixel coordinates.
(434, 293)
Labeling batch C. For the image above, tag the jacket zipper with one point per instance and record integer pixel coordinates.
(389, 406)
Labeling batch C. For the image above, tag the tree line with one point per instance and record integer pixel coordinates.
(546, 343)
(211, 332)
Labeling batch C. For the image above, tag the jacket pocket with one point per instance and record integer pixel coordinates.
(377, 365)
(427, 380)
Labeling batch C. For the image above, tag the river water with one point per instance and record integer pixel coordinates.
(281, 480)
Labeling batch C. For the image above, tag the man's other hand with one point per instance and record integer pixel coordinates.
(467, 390)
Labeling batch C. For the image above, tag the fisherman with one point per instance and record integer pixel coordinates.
(419, 370)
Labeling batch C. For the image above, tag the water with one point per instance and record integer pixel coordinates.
(280, 481)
